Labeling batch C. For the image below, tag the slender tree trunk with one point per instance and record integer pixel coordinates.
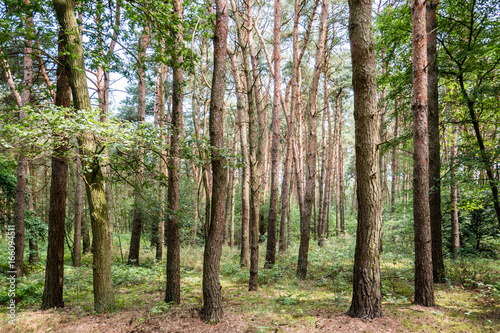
(245, 174)
(173, 290)
(275, 149)
(455, 228)
(367, 297)
(103, 288)
(77, 228)
(22, 162)
(424, 289)
(212, 296)
(340, 166)
(311, 148)
(54, 270)
(160, 232)
(434, 148)
(135, 237)
(394, 171)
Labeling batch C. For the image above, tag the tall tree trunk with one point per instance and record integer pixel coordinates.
(54, 269)
(424, 289)
(22, 162)
(212, 296)
(173, 290)
(77, 228)
(455, 228)
(311, 148)
(340, 167)
(103, 288)
(160, 232)
(367, 297)
(329, 166)
(275, 145)
(394, 171)
(135, 237)
(434, 147)
(245, 173)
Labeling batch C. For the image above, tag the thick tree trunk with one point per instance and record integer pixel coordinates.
(424, 289)
(212, 296)
(367, 297)
(135, 237)
(54, 269)
(103, 288)
(434, 147)
(275, 145)
(173, 290)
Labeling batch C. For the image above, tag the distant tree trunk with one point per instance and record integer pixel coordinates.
(434, 148)
(311, 148)
(275, 149)
(160, 232)
(77, 228)
(103, 288)
(33, 243)
(85, 229)
(212, 296)
(321, 181)
(393, 160)
(329, 167)
(455, 228)
(245, 174)
(54, 269)
(424, 288)
(22, 162)
(367, 297)
(340, 166)
(135, 237)
(383, 133)
(173, 290)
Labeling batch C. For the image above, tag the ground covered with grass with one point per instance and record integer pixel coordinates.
(468, 302)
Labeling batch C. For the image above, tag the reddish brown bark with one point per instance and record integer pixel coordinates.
(54, 269)
(212, 296)
(173, 290)
(424, 288)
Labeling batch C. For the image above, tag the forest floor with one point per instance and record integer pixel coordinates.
(468, 302)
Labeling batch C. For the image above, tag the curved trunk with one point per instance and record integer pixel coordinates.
(212, 296)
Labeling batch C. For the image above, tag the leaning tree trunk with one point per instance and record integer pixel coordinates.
(54, 269)
(434, 148)
(367, 297)
(103, 288)
(212, 296)
(424, 288)
(173, 290)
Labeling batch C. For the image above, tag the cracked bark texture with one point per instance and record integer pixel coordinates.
(367, 297)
